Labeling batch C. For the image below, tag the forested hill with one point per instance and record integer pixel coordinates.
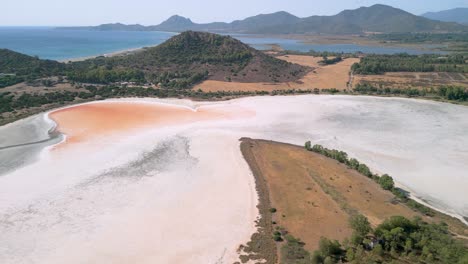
(16, 67)
(186, 59)
(376, 18)
(21, 64)
(180, 62)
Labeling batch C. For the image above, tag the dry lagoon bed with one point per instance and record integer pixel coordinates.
(164, 181)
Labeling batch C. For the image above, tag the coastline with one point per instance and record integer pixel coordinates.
(123, 52)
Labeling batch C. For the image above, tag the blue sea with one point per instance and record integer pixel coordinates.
(51, 43)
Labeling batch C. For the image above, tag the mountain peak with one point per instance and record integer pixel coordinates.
(178, 19)
(176, 23)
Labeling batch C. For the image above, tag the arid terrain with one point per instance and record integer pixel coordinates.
(322, 77)
(134, 158)
(314, 196)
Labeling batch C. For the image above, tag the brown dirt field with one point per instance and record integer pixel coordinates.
(323, 77)
(314, 195)
(414, 79)
(304, 209)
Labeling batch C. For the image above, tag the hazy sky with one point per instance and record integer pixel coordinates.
(151, 12)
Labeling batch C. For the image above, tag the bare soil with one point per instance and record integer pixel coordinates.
(322, 77)
(315, 195)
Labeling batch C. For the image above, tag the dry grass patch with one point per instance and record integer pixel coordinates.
(322, 77)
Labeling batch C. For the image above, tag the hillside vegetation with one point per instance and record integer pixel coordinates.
(185, 60)
(16, 67)
(180, 62)
(378, 64)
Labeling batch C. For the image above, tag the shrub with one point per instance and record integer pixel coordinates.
(386, 182)
(360, 224)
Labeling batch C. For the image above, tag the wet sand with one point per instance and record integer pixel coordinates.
(86, 122)
(144, 188)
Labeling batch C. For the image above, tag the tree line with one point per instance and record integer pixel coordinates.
(385, 181)
(451, 93)
(421, 37)
(379, 64)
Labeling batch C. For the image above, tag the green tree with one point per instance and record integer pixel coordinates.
(386, 182)
(360, 224)
(308, 145)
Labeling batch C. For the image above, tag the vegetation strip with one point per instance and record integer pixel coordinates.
(261, 247)
(385, 181)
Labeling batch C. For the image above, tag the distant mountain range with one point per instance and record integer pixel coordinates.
(376, 18)
(458, 15)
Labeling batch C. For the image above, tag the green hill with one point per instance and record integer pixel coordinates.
(20, 64)
(186, 59)
(180, 62)
(16, 67)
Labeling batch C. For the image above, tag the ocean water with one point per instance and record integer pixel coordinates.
(50, 43)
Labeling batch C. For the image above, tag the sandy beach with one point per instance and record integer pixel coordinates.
(164, 181)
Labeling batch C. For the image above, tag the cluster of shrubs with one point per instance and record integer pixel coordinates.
(369, 89)
(397, 239)
(8, 80)
(385, 181)
(327, 61)
(452, 93)
(379, 64)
